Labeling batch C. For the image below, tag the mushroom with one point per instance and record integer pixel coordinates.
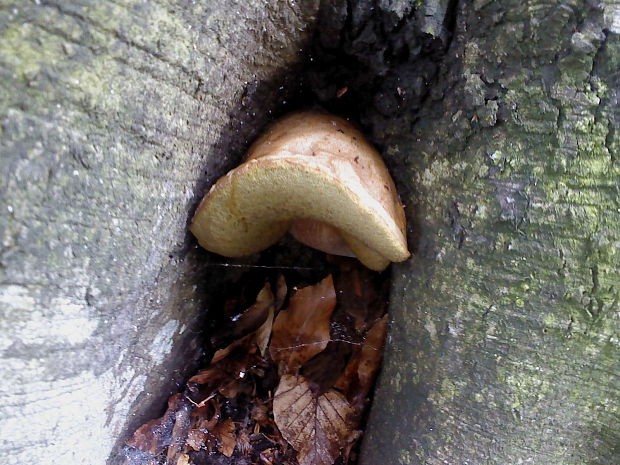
(315, 175)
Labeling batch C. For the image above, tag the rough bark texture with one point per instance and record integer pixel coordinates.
(114, 118)
(503, 347)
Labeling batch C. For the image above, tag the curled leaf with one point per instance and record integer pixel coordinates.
(302, 331)
(362, 369)
(372, 353)
(263, 334)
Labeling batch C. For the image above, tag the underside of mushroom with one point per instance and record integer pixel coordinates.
(314, 175)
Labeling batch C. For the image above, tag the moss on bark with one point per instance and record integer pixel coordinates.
(505, 326)
(114, 117)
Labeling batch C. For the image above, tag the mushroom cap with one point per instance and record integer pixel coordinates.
(308, 171)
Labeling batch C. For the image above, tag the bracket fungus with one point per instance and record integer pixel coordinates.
(315, 175)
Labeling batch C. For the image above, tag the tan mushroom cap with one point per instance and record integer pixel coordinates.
(313, 174)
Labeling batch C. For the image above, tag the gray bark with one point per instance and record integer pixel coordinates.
(114, 118)
(504, 340)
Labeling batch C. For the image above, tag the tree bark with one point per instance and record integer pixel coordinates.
(114, 119)
(503, 346)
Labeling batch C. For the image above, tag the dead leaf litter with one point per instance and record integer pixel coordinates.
(290, 389)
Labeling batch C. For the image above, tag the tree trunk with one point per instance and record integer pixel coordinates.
(503, 346)
(115, 117)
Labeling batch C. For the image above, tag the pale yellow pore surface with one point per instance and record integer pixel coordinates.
(252, 206)
(308, 172)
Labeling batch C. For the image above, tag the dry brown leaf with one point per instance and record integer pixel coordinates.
(202, 438)
(362, 369)
(183, 460)
(372, 353)
(182, 425)
(209, 433)
(326, 368)
(155, 435)
(316, 427)
(206, 383)
(256, 320)
(302, 331)
(226, 374)
(207, 415)
(263, 310)
(348, 381)
(263, 334)
(239, 344)
(225, 433)
(196, 439)
(204, 418)
(210, 375)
